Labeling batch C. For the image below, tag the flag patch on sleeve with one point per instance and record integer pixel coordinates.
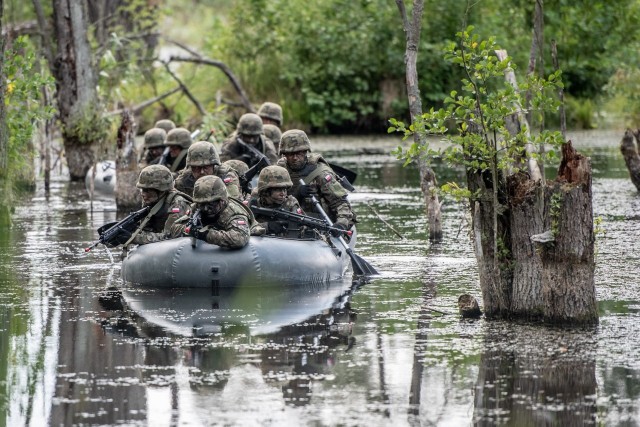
(175, 210)
(328, 178)
(227, 180)
(241, 222)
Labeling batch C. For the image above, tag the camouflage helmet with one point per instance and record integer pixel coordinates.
(154, 138)
(179, 136)
(202, 153)
(165, 124)
(294, 140)
(209, 189)
(157, 177)
(274, 177)
(272, 132)
(237, 165)
(250, 124)
(271, 110)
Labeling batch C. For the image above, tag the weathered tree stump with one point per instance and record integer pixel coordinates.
(127, 195)
(630, 154)
(544, 265)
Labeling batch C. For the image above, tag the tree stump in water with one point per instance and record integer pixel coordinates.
(468, 306)
(542, 266)
(127, 195)
(630, 154)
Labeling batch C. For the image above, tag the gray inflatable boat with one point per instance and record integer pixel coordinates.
(265, 261)
(104, 181)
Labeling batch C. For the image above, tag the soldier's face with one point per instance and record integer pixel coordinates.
(268, 121)
(278, 195)
(156, 151)
(297, 160)
(250, 139)
(212, 209)
(200, 171)
(149, 196)
(174, 150)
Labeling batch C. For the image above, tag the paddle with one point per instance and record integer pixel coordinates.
(360, 266)
(346, 177)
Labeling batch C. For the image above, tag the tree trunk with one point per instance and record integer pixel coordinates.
(428, 182)
(5, 187)
(79, 113)
(127, 195)
(544, 265)
(630, 154)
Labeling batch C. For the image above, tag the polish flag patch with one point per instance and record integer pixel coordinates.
(175, 210)
(241, 222)
(226, 180)
(299, 211)
(328, 178)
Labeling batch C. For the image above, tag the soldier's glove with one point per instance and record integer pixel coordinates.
(200, 234)
(276, 227)
(307, 191)
(339, 230)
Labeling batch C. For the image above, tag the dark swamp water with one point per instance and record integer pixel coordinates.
(379, 354)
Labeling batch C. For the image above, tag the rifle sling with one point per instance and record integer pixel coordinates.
(154, 210)
(178, 159)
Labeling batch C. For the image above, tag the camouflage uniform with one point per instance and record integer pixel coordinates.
(273, 177)
(319, 177)
(274, 133)
(230, 228)
(170, 206)
(153, 138)
(203, 153)
(249, 124)
(270, 112)
(182, 138)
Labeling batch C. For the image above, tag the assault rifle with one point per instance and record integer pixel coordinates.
(193, 226)
(307, 221)
(255, 153)
(245, 179)
(112, 232)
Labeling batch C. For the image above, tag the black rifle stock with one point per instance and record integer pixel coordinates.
(254, 151)
(245, 179)
(112, 233)
(307, 221)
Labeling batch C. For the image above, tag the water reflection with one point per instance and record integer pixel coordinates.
(235, 347)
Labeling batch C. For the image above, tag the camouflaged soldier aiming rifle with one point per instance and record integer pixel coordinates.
(319, 178)
(226, 222)
(273, 184)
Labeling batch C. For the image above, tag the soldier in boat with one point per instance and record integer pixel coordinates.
(319, 179)
(166, 206)
(178, 140)
(271, 114)
(165, 124)
(223, 221)
(153, 147)
(203, 160)
(248, 143)
(273, 184)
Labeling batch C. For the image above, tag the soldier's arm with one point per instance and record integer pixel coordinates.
(234, 236)
(177, 228)
(336, 198)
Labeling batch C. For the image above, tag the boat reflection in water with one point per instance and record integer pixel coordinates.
(243, 344)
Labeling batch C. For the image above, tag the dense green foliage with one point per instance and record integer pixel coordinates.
(480, 139)
(24, 107)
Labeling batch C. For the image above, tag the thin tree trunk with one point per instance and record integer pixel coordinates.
(428, 182)
(5, 188)
(127, 195)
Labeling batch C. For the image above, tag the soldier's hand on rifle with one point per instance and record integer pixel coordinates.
(277, 227)
(339, 230)
(307, 191)
(200, 234)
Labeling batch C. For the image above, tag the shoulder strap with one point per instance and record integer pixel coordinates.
(154, 210)
(314, 174)
(178, 159)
